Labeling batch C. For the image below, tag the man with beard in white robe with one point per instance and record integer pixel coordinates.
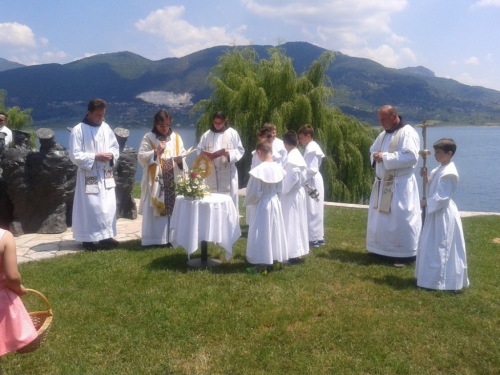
(394, 219)
(267, 241)
(293, 199)
(159, 157)
(222, 145)
(441, 257)
(313, 156)
(93, 148)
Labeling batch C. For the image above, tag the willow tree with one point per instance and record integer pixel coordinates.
(252, 92)
(18, 119)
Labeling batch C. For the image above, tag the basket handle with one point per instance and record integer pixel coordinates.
(41, 296)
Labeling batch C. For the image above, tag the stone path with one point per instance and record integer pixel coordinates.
(41, 246)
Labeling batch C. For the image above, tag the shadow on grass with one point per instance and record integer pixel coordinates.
(355, 257)
(395, 282)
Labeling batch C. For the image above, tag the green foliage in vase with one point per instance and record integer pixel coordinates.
(252, 92)
(192, 185)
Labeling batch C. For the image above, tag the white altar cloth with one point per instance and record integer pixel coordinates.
(213, 219)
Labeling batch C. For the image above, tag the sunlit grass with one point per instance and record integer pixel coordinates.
(134, 311)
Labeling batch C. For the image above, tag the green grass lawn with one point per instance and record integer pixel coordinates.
(134, 311)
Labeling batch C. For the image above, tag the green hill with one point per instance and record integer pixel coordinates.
(58, 93)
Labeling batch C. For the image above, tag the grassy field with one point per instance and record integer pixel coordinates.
(135, 311)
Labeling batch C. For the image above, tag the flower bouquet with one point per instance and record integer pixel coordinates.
(191, 186)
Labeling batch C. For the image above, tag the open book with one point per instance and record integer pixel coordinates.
(184, 154)
(215, 154)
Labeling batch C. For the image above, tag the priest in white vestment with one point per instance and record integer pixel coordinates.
(313, 156)
(222, 144)
(93, 148)
(293, 199)
(441, 257)
(266, 241)
(159, 157)
(394, 216)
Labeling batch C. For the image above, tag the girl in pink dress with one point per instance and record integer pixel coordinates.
(16, 328)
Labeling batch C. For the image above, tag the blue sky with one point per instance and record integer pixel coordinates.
(454, 38)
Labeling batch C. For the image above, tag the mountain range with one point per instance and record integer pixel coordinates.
(135, 86)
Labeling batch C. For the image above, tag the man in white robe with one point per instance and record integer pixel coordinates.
(222, 145)
(157, 147)
(441, 257)
(394, 217)
(94, 150)
(313, 156)
(4, 129)
(293, 199)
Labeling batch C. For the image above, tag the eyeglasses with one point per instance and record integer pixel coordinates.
(2, 120)
(163, 125)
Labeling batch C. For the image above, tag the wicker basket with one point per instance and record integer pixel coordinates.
(42, 321)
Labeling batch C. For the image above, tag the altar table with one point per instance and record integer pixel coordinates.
(213, 218)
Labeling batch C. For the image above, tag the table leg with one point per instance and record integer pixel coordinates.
(204, 261)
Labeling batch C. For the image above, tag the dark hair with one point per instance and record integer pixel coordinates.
(220, 115)
(270, 126)
(5, 114)
(446, 144)
(290, 138)
(265, 146)
(306, 130)
(161, 116)
(264, 132)
(95, 104)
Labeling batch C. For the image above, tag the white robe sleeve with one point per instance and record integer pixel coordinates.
(253, 191)
(446, 186)
(312, 164)
(82, 159)
(407, 154)
(146, 153)
(292, 178)
(237, 152)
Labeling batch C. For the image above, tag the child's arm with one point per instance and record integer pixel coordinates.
(12, 275)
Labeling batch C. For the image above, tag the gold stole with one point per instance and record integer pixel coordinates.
(389, 176)
(219, 180)
(155, 170)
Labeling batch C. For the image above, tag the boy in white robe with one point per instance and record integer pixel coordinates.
(315, 209)
(266, 242)
(93, 148)
(293, 199)
(222, 144)
(441, 256)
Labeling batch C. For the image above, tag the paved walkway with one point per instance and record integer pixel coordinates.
(42, 246)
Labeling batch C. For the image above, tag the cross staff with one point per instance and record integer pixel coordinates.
(424, 153)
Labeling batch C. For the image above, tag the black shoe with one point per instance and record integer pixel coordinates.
(109, 242)
(89, 246)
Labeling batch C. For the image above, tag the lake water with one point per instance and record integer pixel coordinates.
(479, 186)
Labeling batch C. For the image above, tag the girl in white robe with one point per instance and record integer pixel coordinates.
(441, 256)
(155, 224)
(293, 199)
(266, 242)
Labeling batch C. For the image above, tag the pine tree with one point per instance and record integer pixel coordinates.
(252, 92)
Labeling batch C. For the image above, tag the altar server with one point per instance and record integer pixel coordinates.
(94, 150)
(222, 144)
(293, 199)
(313, 155)
(441, 256)
(394, 220)
(266, 241)
(159, 157)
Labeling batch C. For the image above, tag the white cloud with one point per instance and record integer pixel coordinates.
(472, 61)
(485, 3)
(44, 41)
(336, 21)
(167, 98)
(184, 38)
(17, 35)
(467, 79)
(385, 55)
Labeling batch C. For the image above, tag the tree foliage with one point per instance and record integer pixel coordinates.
(252, 92)
(18, 119)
